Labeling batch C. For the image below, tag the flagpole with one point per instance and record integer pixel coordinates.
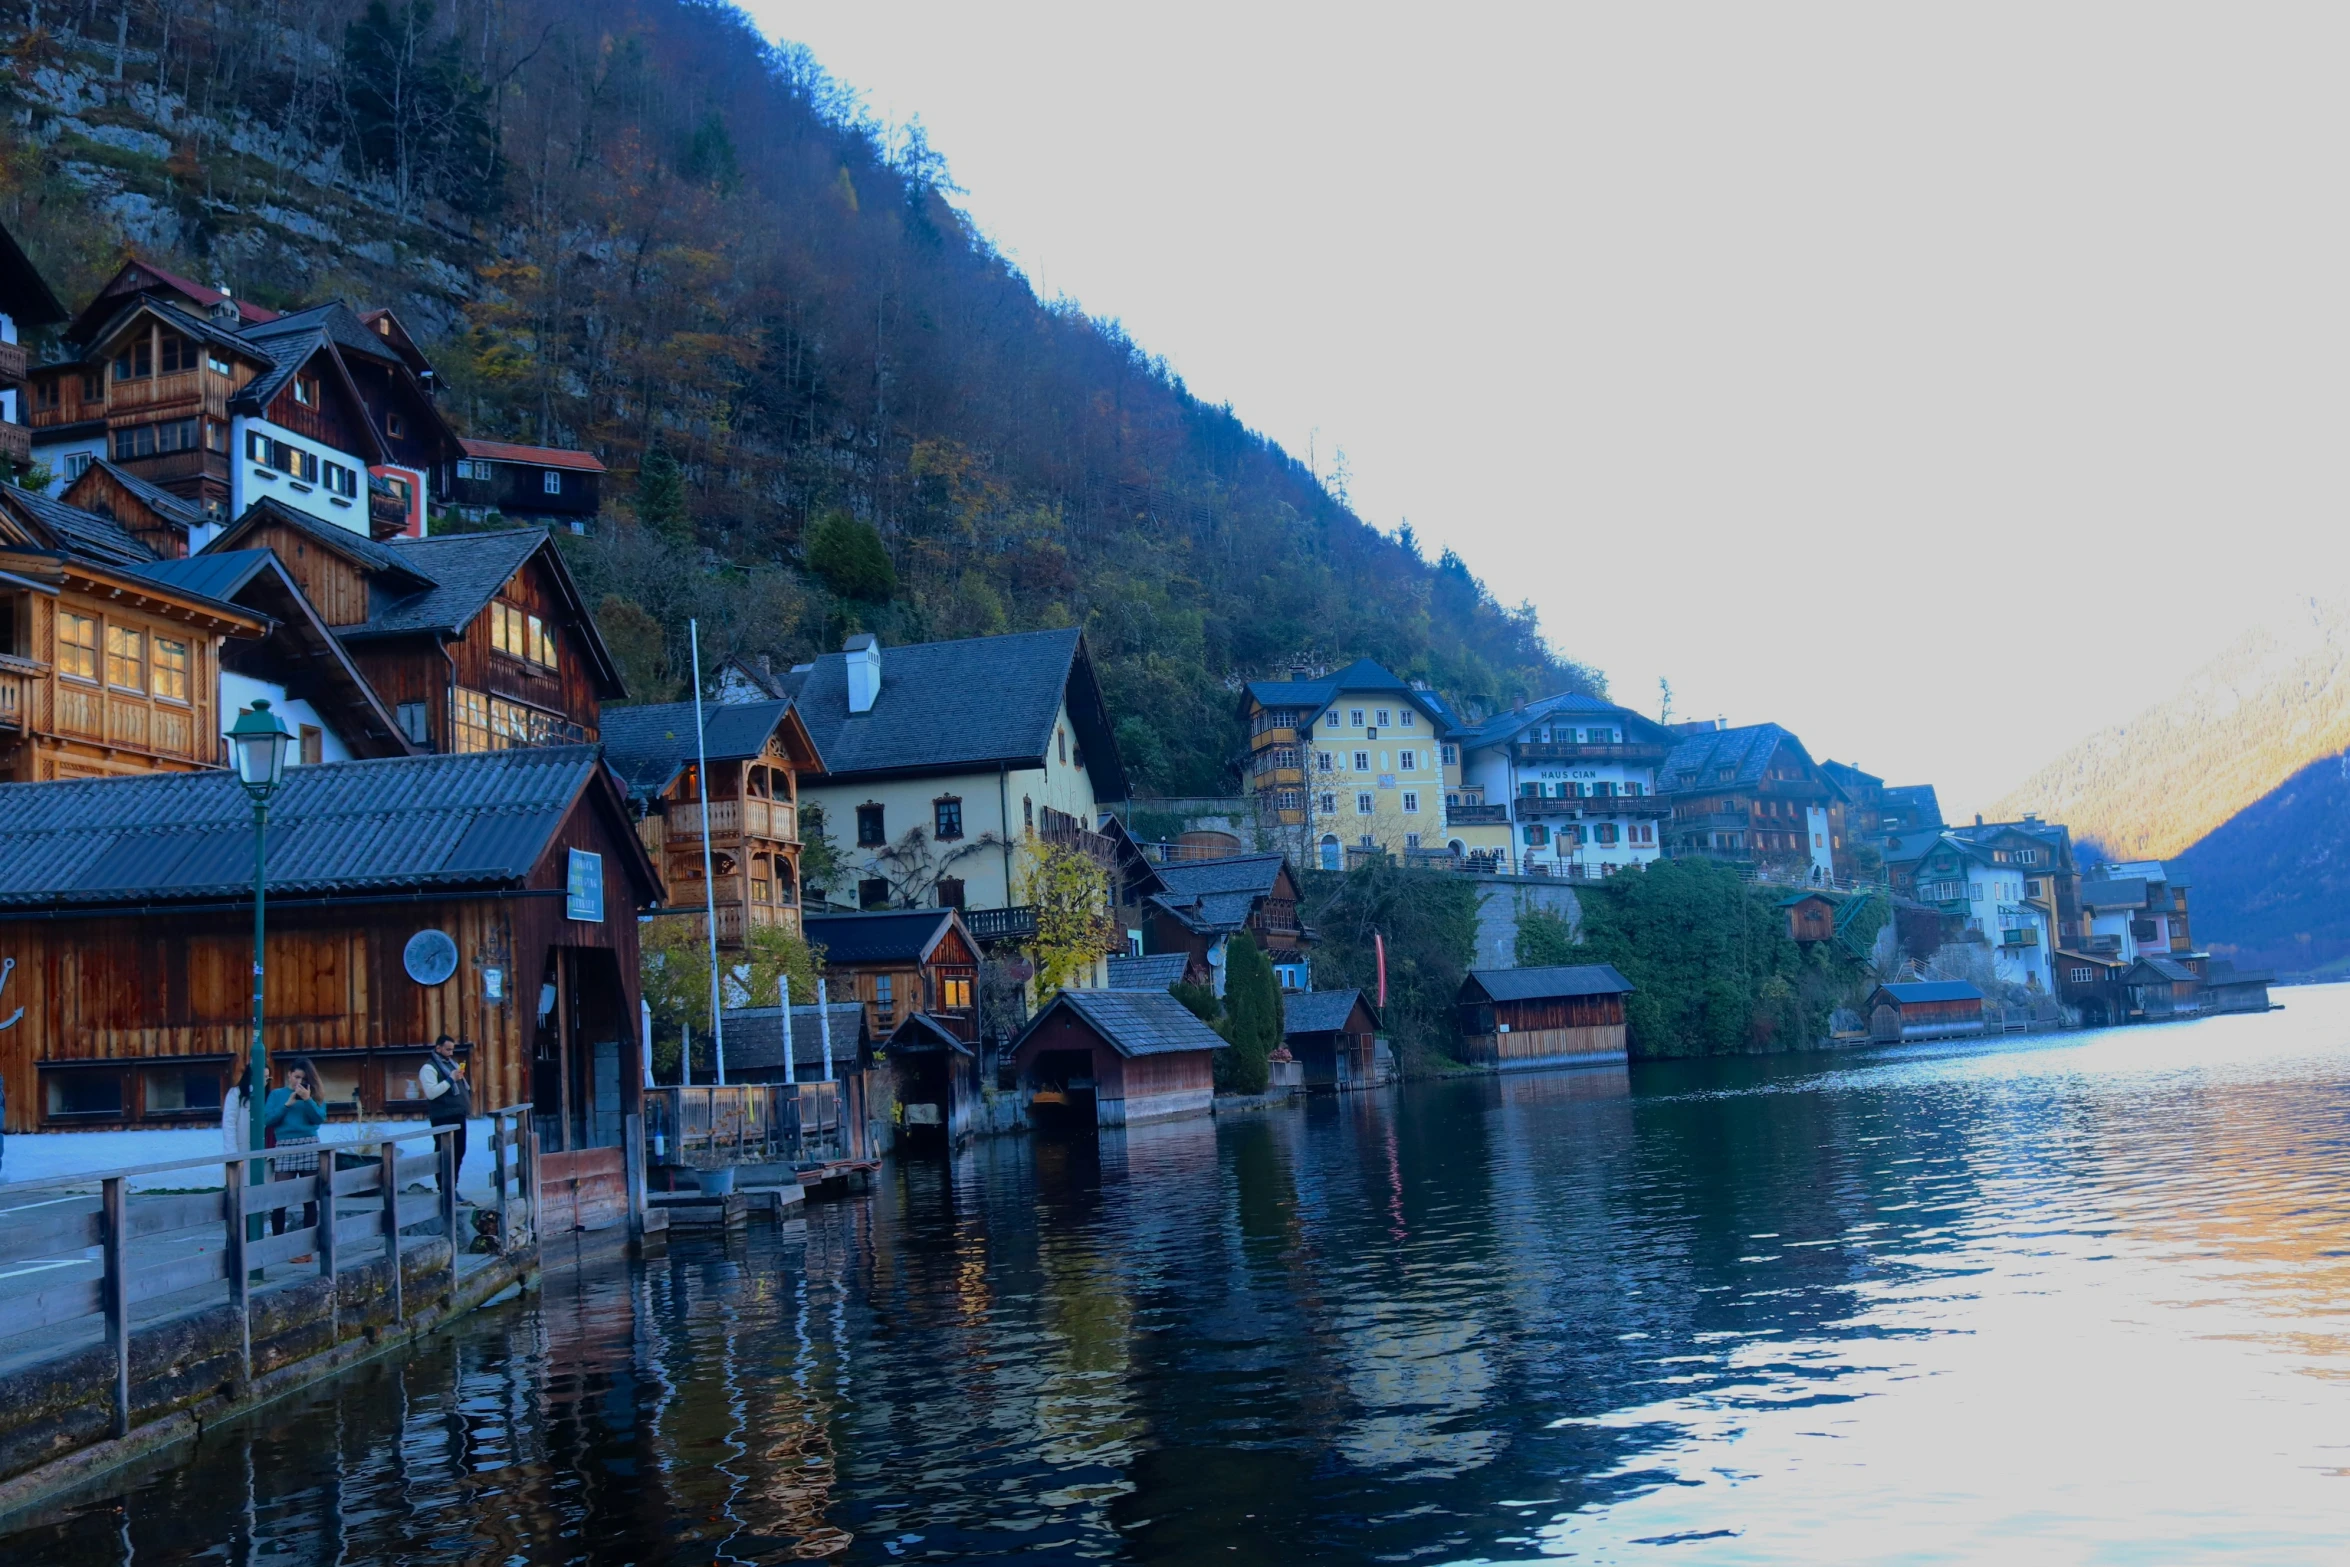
(709, 878)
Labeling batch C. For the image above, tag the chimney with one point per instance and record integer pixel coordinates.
(766, 666)
(224, 310)
(863, 652)
(1978, 818)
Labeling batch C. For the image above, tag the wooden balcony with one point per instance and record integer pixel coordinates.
(1568, 751)
(733, 918)
(17, 692)
(1536, 808)
(989, 925)
(156, 391)
(16, 442)
(11, 364)
(167, 467)
(774, 820)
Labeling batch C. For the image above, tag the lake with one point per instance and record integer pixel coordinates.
(2068, 1298)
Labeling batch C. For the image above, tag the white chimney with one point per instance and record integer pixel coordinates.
(863, 652)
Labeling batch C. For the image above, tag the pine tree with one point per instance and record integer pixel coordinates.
(1252, 1008)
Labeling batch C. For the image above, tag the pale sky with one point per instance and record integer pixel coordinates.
(1942, 383)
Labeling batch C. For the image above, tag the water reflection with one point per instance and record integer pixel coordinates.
(2052, 1299)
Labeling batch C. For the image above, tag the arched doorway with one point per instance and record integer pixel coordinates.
(1330, 856)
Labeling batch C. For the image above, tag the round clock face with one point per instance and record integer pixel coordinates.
(431, 957)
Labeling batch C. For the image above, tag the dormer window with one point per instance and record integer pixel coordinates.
(306, 390)
(136, 362)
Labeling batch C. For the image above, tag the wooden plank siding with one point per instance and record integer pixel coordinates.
(1550, 1030)
(335, 586)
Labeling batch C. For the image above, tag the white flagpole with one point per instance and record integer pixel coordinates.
(646, 1008)
(790, 1074)
(709, 878)
(824, 1019)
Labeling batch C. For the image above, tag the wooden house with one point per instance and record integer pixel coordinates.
(1811, 916)
(1114, 1058)
(549, 484)
(491, 897)
(1925, 1009)
(2227, 988)
(903, 963)
(167, 524)
(1514, 1018)
(105, 669)
(756, 752)
(474, 641)
(25, 302)
(1752, 794)
(935, 1076)
(1202, 904)
(2161, 988)
(1334, 1036)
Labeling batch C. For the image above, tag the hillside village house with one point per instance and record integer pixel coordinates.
(943, 761)
(756, 753)
(1516, 1018)
(493, 897)
(544, 484)
(901, 964)
(1578, 777)
(1203, 904)
(1982, 883)
(1115, 1058)
(474, 641)
(1754, 795)
(104, 669)
(25, 302)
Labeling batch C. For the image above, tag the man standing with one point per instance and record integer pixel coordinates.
(448, 1097)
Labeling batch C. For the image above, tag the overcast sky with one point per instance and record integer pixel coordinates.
(1942, 383)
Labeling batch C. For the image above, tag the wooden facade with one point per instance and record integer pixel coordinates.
(1810, 917)
(939, 980)
(754, 832)
(1114, 1058)
(1334, 1038)
(1512, 1019)
(1747, 795)
(1925, 1009)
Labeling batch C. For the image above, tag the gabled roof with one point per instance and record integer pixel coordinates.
(1364, 675)
(215, 576)
(1913, 991)
(1131, 1022)
(73, 531)
(140, 276)
(1745, 752)
(393, 333)
(2220, 971)
(162, 502)
(24, 294)
(337, 321)
(294, 348)
(889, 936)
(351, 336)
(421, 823)
(1318, 1011)
(1155, 972)
(185, 322)
(1902, 848)
(535, 456)
(962, 707)
(1252, 873)
(396, 574)
(1544, 984)
(2160, 968)
(650, 747)
(1504, 727)
(1915, 800)
(1207, 913)
(922, 1034)
(754, 1039)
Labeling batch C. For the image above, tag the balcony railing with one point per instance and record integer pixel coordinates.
(1569, 751)
(11, 363)
(1013, 924)
(16, 443)
(16, 692)
(1535, 807)
(1064, 831)
(751, 818)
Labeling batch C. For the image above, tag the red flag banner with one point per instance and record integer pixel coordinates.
(1379, 945)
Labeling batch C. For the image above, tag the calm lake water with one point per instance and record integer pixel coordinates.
(2074, 1299)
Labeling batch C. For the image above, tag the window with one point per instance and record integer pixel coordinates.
(179, 353)
(1355, 717)
(542, 643)
(306, 390)
(950, 893)
(46, 395)
(93, 387)
(215, 436)
(551, 482)
(1411, 840)
(1062, 736)
(1408, 717)
(1536, 835)
(1362, 805)
(1330, 719)
(869, 826)
(1325, 762)
(946, 817)
(126, 656)
(1411, 801)
(216, 364)
(136, 361)
(182, 1090)
(2034, 888)
(257, 447)
(313, 745)
(1362, 761)
(1452, 756)
(78, 463)
(954, 992)
(75, 1094)
(1290, 799)
(395, 426)
(1605, 832)
(1329, 804)
(414, 723)
(1028, 813)
(1381, 720)
(873, 893)
(1407, 761)
(884, 995)
(2082, 976)
(341, 481)
(171, 669)
(77, 645)
(473, 720)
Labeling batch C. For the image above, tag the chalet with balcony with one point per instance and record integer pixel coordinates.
(25, 302)
(546, 484)
(1981, 881)
(105, 669)
(1206, 902)
(473, 641)
(1576, 777)
(947, 766)
(1571, 1015)
(756, 752)
(1753, 795)
(902, 963)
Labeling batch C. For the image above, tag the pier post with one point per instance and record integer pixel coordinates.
(118, 1298)
(240, 1272)
(389, 1162)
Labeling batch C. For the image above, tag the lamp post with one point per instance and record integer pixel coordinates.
(259, 738)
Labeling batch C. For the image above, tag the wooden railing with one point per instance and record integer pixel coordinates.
(15, 698)
(1000, 924)
(707, 1126)
(16, 443)
(751, 818)
(11, 363)
(159, 1244)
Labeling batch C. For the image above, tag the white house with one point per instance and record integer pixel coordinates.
(1578, 776)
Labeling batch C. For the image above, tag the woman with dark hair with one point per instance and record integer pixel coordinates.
(294, 1115)
(236, 1113)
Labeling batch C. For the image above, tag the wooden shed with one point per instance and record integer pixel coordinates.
(1334, 1035)
(491, 896)
(1512, 1018)
(1112, 1057)
(1925, 1009)
(1811, 916)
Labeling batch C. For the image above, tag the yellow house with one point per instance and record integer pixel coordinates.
(1363, 761)
(939, 762)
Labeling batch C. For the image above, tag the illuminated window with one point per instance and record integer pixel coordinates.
(126, 656)
(77, 645)
(171, 669)
(954, 993)
(473, 720)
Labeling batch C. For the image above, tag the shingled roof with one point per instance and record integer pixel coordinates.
(1131, 1022)
(77, 531)
(177, 508)
(1317, 1011)
(2125, 893)
(650, 746)
(891, 936)
(379, 560)
(754, 1039)
(1544, 984)
(1155, 972)
(1503, 727)
(465, 570)
(1698, 761)
(962, 707)
(1910, 992)
(1364, 674)
(423, 823)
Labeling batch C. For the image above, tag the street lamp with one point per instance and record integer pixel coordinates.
(259, 738)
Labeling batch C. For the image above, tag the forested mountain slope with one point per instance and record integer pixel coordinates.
(2272, 885)
(2274, 702)
(631, 225)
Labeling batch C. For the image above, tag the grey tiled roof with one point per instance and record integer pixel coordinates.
(334, 319)
(356, 547)
(1255, 873)
(81, 532)
(895, 935)
(1209, 913)
(754, 1039)
(1914, 800)
(921, 1034)
(649, 746)
(291, 352)
(1364, 674)
(216, 577)
(1133, 1022)
(2177, 973)
(1543, 984)
(466, 570)
(1155, 972)
(949, 706)
(1746, 751)
(406, 823)
(1505, 726)
(1911, 991)
(177, 508)
(1317, 1011)
(2128, 893)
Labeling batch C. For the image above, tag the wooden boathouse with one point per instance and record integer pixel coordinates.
(1515, 1018)
(1114, 1057)
(1334, 1036)
(1925, 1009)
